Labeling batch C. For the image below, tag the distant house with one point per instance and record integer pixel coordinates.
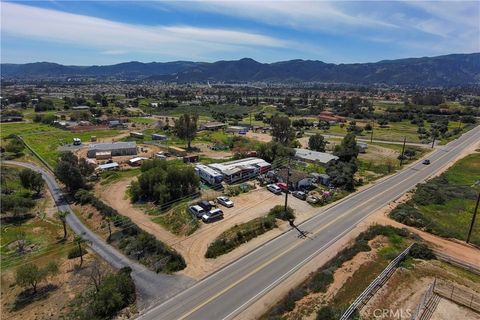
(237, 129)
(108, 166)
(314, 156)
(154, 104)
(161, 137)
(331, 117)
(11, 118)
(116, 124)
(137, 135)
(212, 126)
(116, 148)
(81, 108)
(136, 161)
(296, 180)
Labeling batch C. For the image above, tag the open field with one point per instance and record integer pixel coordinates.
(445, 207)
(47, 143)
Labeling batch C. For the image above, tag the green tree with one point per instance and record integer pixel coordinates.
(79, 241)
(30, 275)
(317, 142)
(342, 173)
(282, 130)
(68, 171)
(348, 149)
(15, 146)
(32, 180)
(62, 216)
(272, 151)
(186, 128)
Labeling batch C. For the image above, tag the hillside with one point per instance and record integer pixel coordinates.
(448, 70)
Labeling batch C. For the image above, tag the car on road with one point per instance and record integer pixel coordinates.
(274, 189)
(197, 211)
(300, 195)
(426, 161)
(313, 199)
(213, 215)
(225, 201)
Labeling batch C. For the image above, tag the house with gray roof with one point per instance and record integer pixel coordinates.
(127, 148)
(314, 156)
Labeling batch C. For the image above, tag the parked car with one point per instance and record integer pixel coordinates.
(213, 215)
(197, 211)
(313, 199)
(274, 189)
(300, 195)
(206, 205)
(225, 201)
(426, 161)
(282, 186)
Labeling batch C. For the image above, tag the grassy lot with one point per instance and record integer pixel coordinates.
(40, 233)
(141, 120)
(109, 177)
(24, 128)
(47, 143)
(178, 220)
(444, 205)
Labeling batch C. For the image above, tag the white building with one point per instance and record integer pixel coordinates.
(242, 169)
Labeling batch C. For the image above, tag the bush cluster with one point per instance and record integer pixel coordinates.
(115, 292)
(239, 234)
(76, 252)
(133, 241)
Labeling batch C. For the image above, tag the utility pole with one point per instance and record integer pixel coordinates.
(250, 120)
(403, 150)
(288, 182)
(473, 219)
(371, 134)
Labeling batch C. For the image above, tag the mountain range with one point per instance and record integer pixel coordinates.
(447, 70)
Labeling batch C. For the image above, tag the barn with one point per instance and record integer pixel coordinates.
(115, 148)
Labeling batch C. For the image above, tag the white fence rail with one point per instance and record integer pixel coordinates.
(375, 285)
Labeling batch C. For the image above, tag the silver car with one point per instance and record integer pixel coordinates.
(225, 201)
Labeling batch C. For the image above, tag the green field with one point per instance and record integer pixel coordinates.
(445, 207)
(178, 220)
(24, 128)
(40, 233)
(46, 143)
(141, 120)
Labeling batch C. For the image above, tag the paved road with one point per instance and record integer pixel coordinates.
(150, 286)
(226, 293)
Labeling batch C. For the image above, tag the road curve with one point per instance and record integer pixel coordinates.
(229, 291)
(150, 285)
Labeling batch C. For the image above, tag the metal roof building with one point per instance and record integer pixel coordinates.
(116, 148)
(314, 156)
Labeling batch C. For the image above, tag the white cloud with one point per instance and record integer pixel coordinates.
(116, 38)
(313, 15)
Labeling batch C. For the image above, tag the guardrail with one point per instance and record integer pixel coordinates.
(424, 302)
(456, 262)
(375, 284)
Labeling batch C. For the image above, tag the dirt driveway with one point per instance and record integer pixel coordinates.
(247, 207)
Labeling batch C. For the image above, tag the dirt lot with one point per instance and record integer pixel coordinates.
(404, 290)
(206, 151)
(247, 207)
(448, 310)
(263, 137)
(53, 295)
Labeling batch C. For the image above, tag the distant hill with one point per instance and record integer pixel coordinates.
(448, 70)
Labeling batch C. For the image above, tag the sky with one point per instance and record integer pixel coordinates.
(108, 32)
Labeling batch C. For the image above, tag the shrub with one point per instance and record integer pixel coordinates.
(327, 313)
(75, 252)
(421, 251)
(278, 212)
